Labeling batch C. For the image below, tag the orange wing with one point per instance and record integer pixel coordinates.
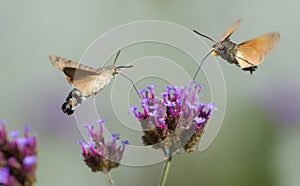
(231, 30)
(87, 85)
(61, 63)
(247, 57)
(252, 52)
(82, 77)
(83, 80)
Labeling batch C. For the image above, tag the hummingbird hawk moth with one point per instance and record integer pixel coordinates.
(87, 81)
(246, 55)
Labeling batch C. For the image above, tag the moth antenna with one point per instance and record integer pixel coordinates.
(201, 64)
(132, 85)
(117, 56)
(204, 35)
(124, 66)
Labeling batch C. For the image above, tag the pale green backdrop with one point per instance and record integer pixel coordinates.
(259, 140)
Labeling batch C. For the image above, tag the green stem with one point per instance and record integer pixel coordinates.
(165, 171)
(110, 180)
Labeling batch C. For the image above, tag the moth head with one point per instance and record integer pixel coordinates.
(218, 48)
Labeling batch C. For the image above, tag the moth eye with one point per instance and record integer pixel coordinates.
(115, 72)
(220, 47)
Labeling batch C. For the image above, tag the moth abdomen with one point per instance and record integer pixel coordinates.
(67, 108)
(74, 99)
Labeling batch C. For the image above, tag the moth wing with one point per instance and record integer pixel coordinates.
(262, 44)
(83, 80)
(86, 85)
(251, 53)
(231, 30)
(73, 71)
(100, 69)
(61, 63)
(247, 57)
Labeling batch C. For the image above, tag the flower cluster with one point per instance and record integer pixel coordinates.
(18, 157)
(176, 120)
(101, 156)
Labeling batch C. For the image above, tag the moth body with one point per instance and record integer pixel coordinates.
(246, 55)
(87, 81)
(226, 50)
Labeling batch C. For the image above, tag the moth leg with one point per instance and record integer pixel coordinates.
(250, 69)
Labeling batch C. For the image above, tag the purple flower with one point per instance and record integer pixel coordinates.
(100, 155)
(4, 175)
(18, 157)
(199, 120)
(125, 142)
(29, 160)
(177, 120)
(115, 137)
(151, 89)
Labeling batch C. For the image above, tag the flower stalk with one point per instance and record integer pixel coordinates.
(174, 121)
(165, 171)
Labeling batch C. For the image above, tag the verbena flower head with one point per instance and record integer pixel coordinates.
(176, 120)
(101, 156)
(18, 157)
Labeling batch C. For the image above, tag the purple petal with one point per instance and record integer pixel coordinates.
(162, 120)
(83, 147)
(29, 160)
(15, 134)
(133, 109)
(13, 163)
(169, 88)
(2, 122)
(101, 121)
(151, 88)
(89, 126)
(153, 114)
(142, 91)
(81, 143)
(179, 101)
(93, 150)
(27, 129)
(91, 144)
(21, 142)
(125, 142)
(199, 120)
(211, 106)
(115, 136)
(4, 174)
(170, 104)
(144, 102)
(154, 107)
(164, 94)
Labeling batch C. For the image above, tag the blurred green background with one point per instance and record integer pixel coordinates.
(259, 140)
